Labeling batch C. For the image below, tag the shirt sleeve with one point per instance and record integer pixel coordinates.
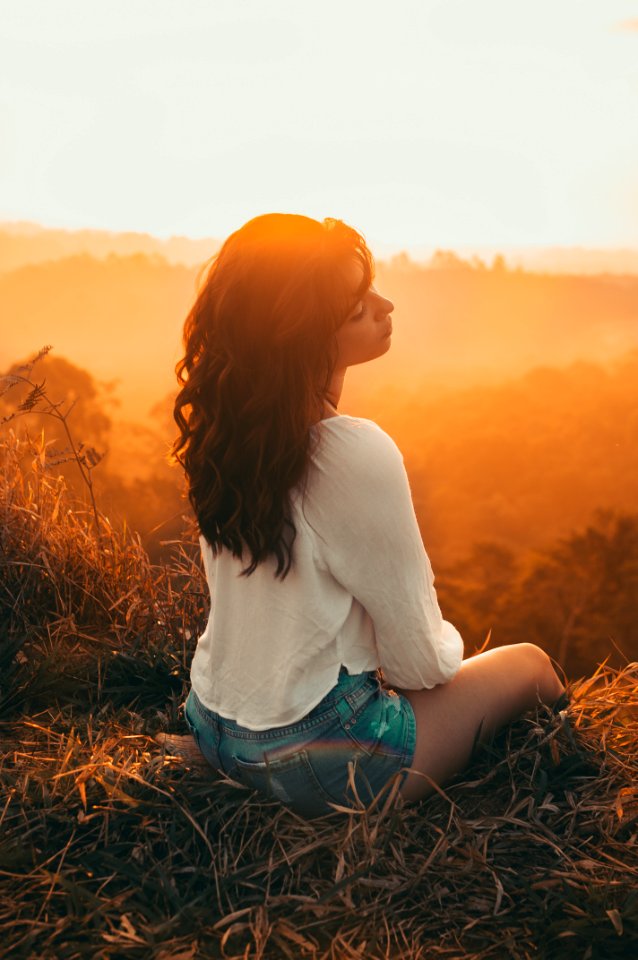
(368, 537)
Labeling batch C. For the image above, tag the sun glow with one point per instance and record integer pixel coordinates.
(422, 123)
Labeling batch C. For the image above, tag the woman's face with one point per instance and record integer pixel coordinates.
(366, 332)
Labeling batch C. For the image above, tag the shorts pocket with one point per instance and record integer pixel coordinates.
(289, 779)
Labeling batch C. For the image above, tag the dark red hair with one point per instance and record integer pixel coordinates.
(259, 353)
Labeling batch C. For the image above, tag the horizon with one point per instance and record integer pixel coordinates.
(382, 250)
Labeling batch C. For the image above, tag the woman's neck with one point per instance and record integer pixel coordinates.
(333, 394)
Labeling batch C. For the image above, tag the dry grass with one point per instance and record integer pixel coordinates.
(112, 848)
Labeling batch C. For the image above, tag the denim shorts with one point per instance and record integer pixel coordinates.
(305, 764)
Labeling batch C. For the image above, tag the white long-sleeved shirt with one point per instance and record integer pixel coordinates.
(360, 592)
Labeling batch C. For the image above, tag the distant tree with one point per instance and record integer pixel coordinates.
(155, 504)
(579, 600)
(25, 400)
(447, 260)
(402, 261)
(576, 600)
(473, 592)
(151, 500)
(66, 383)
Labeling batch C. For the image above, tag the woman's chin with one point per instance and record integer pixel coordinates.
(380, 348)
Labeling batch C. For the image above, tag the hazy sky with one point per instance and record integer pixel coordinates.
(455, 122)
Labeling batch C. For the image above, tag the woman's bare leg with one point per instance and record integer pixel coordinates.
(489, 691)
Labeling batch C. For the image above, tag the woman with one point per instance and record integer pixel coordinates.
(317, 572)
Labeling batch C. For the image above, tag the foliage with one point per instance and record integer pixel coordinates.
(82, 609)
(577, 599)
(42, 395)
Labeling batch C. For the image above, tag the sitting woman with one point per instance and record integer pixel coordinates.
(326, 669)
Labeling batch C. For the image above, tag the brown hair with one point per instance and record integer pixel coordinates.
(259, 353)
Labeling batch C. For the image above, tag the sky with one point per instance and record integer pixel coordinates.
(421, 122)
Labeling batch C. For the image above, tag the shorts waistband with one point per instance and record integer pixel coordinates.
(347, 697)
(349, 694)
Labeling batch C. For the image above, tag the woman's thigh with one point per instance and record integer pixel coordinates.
(490, 690)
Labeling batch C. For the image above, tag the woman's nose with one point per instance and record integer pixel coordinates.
(385, 306)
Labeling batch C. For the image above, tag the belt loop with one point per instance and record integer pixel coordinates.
(344, 708)
(351, 703)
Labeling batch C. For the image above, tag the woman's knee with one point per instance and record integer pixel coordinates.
(491, 689)
(508, 681)
(542, 671)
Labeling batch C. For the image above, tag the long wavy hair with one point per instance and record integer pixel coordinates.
(259, 352)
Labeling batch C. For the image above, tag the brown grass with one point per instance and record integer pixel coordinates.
(112, 848)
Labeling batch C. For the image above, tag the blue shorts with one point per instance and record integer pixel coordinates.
(305, 764)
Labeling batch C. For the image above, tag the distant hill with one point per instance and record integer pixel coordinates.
(574, 260)
(577, 260)
(23, 243)
(455, 326)
(520, 463)
(120, 317)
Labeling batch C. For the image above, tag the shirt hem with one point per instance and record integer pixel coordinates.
(296, 718)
